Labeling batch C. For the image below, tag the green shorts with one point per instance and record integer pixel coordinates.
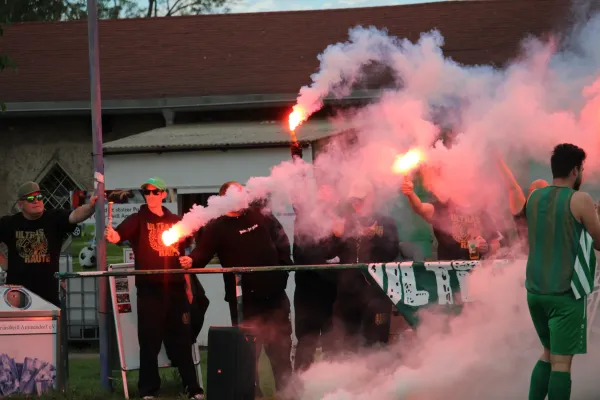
(560, 322)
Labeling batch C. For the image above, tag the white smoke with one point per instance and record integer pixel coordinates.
(486, 352)
(549, 95)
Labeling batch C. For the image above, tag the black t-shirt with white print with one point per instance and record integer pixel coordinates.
(144, 231)
(255, 238)
(34, 250)
(453, 227)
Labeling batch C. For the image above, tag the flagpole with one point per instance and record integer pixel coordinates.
(96, 108)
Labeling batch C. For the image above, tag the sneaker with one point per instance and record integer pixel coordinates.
(148, 397)
(197, 396)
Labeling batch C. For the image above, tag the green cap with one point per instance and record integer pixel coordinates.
(27, 188)
(156, 182)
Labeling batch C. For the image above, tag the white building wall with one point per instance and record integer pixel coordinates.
(201, 172)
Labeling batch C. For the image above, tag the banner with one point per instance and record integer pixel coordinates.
(445, 283)
(424, 283)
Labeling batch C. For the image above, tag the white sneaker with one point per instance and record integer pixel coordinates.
(198, 396)
(148, 397)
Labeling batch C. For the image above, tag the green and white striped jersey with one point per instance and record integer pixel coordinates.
(561, 252)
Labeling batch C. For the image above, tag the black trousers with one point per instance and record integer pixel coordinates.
(362, 318)
(269, 320)
(313, 309)
(164, 316)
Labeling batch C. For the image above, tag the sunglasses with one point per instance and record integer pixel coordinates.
(31, 199)
(155, 192)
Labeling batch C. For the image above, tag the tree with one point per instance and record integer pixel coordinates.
(32, 10)
(168, 8)
(60, 10)
(107, 9)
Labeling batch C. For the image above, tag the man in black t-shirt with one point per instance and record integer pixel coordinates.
(462, 233)
(251, 238)
(368, 236)
(163, 308)
(34, 239)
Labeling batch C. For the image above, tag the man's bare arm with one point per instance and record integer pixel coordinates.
(516, 198)
(584, 210)
(3, 262)
(425, 210)
(83, 212)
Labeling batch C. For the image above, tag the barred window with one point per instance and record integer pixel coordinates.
(57, 186)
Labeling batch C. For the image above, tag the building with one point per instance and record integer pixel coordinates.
(201, 100)
(159, 73)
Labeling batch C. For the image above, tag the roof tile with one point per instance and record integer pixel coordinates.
(256, 53)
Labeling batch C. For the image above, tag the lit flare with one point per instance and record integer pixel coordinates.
(170, 236)
(405, 163)
(297, 116)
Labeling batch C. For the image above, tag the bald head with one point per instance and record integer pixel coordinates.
(537, 184)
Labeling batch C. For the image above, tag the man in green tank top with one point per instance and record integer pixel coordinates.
(563, 230)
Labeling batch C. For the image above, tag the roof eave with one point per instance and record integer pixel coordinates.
(180, 149)
(201, 103)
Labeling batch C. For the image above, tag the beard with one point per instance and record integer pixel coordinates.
(577, 183)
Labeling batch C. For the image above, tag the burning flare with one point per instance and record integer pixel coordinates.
(407, 162)
(297, 116)
(171, 236)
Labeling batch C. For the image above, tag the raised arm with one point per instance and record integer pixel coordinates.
(83, 212)
(516, 197)
(425, 210)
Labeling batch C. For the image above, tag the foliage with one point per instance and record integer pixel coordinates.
(61, 10)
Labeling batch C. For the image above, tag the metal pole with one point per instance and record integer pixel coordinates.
(96, 107)
(239, 300)
(64, 336)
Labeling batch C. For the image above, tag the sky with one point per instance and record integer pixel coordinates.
(288, 5)
(243, 6)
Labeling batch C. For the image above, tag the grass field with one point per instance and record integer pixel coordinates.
(84, 381)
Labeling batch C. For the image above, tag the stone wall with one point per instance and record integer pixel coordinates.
(30, 145)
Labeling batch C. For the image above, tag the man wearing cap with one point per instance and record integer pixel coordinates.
(368, 237)
(463, 231)
(34, 238)
(163, 306)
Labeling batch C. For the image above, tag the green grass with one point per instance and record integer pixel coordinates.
(84, 381)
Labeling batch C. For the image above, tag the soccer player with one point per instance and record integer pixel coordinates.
(563, 230)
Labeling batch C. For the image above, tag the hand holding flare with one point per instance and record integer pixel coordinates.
(110, 204)
(404, 165)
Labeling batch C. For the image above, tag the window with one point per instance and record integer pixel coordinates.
(188, 200)
(57, 186)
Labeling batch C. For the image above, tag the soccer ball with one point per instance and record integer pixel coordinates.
(87, 257)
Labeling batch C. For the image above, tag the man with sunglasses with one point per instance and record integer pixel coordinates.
(163, 307)
(34, 238)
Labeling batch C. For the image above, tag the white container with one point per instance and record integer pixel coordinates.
(30, 350)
